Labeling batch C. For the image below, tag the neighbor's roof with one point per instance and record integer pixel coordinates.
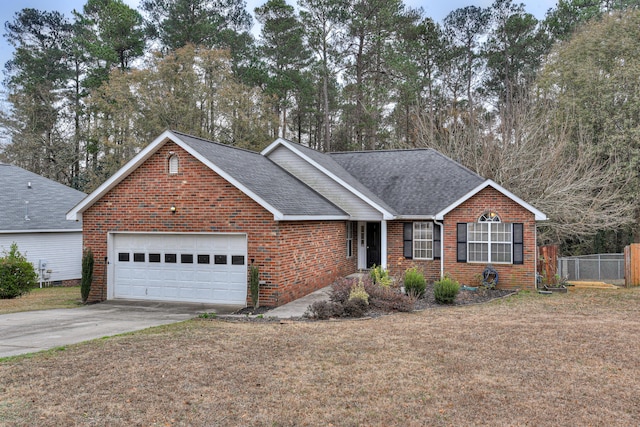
(272, 187)
(42, 207)
(415, 183)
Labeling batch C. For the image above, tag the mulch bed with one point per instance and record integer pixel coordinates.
(465, 297)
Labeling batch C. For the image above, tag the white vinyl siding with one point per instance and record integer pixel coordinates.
(324, 185)
(422, 240)
(63, 251)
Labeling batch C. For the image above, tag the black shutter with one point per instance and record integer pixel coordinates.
(408, 240)
(437, 241)
(518, 243)
(462, 242)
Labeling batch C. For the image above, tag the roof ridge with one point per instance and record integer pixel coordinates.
(388, 150)
(405, 150)
(214, 142)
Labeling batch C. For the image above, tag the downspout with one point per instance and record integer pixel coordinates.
(441, 248)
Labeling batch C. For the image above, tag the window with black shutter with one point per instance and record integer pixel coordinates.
(437, 241)
(461, 240)
(408, 240)
(518, 243)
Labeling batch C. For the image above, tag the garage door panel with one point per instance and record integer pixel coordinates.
(180, 267)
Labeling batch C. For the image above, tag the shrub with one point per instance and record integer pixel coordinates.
(380, 276)
(382, 298)
(341, 289)
(355, 307)
(358, 292)
(414, 283)
(389, 299)
(17, 275)
(87, 274)
(254, 285)
(323, 310)
(446, 290)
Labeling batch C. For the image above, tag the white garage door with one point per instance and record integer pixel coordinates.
(209, 268)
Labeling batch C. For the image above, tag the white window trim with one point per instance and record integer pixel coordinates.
(489, 242)
(415, 239)
(173, 163)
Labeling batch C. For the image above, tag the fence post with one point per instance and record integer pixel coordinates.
(632, 265)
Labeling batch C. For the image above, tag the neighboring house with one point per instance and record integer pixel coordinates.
(184, 219)
(34, 218)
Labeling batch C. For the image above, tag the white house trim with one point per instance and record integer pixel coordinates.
(539, 216)
(75, 214)
(314, 218)
(386, 215)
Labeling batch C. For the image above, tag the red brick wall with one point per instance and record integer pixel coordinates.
(510, 275)
(312, 255)
(397, 264)
(205, 202)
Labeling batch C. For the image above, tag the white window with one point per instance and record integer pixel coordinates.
(349, 239)
(422, 240)
(173, 164)
(489, 240)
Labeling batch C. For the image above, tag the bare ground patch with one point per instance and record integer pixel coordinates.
(525, 360)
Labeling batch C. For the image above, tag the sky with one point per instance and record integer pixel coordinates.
(434, 9)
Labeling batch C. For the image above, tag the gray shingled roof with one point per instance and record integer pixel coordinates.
(264, 178)
(49, 201)
(330, 164)
(413, 182)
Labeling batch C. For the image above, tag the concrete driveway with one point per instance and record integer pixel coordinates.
(32, 331)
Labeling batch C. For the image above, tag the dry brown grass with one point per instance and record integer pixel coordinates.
(43, 299)
(527, 360)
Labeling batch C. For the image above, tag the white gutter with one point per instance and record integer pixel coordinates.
(441, 248)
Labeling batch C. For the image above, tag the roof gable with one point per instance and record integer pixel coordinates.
(538, 215)
(256, 176)
(34, 203)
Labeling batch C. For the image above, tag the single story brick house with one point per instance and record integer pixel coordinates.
(186, 217)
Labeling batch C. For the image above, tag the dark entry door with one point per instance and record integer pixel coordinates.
(373, 244)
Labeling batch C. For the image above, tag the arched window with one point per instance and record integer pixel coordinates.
(489, 217)
(490, 240)
(173, 164)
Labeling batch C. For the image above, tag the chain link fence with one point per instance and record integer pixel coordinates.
(592, 267)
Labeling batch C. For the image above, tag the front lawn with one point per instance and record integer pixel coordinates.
(525, 360)
(43, 299)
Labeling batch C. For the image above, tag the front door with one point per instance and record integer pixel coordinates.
(373, 244)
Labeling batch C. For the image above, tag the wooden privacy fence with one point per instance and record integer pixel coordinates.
(632, 265)
(548, 261)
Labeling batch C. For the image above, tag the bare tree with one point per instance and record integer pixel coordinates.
(580, 194)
